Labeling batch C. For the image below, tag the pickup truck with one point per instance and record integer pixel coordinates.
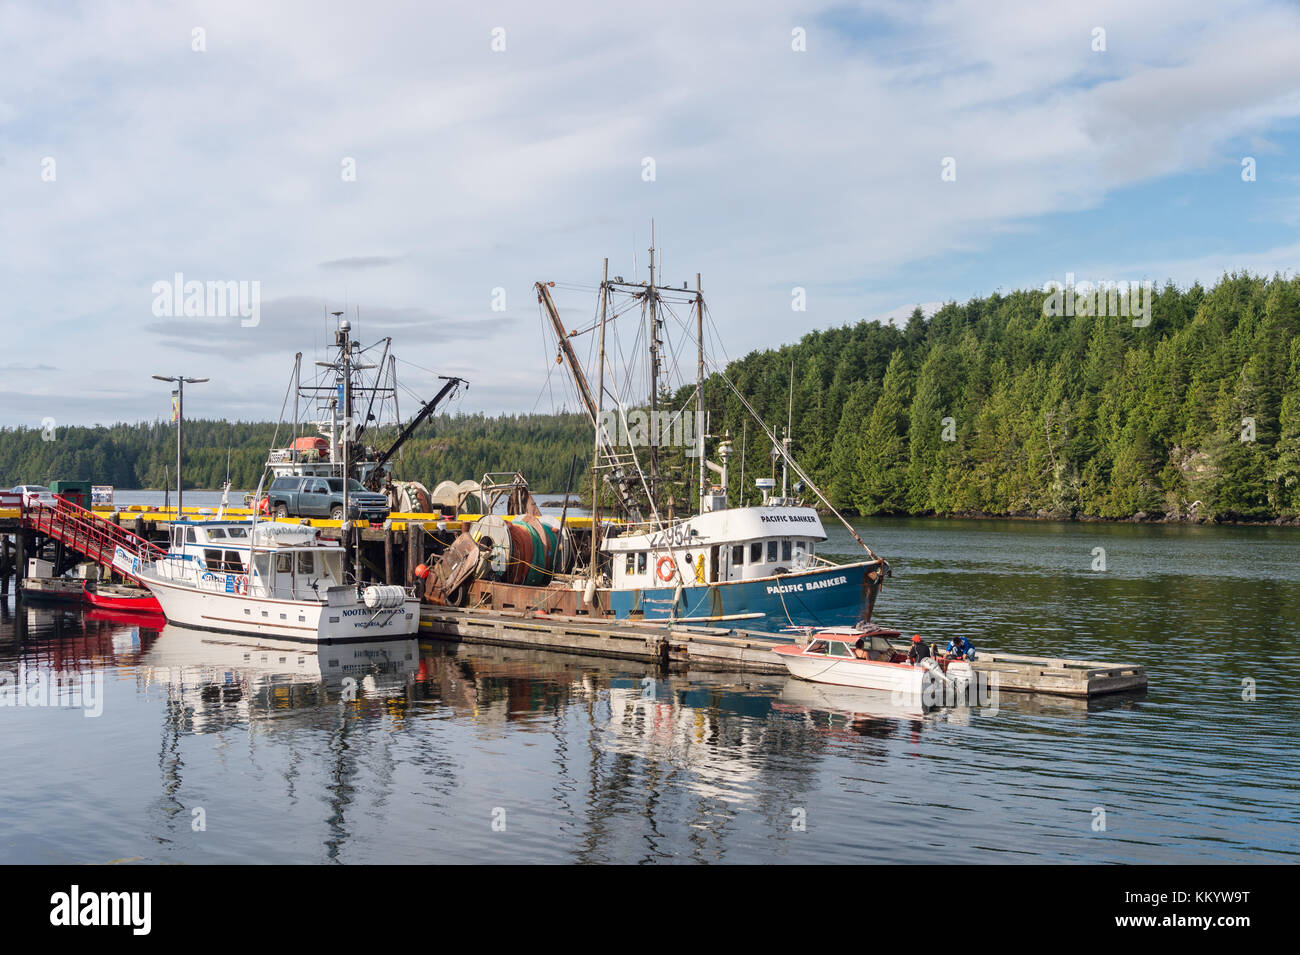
(323, 497)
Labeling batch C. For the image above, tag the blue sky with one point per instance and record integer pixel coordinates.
(479, 169)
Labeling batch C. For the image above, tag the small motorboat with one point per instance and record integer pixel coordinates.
(122, 599)
(868, 657)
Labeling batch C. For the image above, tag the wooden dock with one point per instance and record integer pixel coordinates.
(713, 649)
(1059, 677)
(390, 552)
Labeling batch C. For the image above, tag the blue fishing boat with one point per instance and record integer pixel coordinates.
(749, 566)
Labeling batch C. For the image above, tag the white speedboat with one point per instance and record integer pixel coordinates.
(833, 655)
(270, 579)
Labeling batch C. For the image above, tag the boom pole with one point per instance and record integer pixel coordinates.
(584, 390)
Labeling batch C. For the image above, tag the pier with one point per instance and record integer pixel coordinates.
(391, 552)
(714, 648)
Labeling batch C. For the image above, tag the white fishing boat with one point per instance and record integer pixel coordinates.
(867, 657)
(269, 579)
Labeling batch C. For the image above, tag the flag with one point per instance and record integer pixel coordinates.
(176, 406)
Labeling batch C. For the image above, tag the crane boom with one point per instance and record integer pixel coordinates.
(451, 385)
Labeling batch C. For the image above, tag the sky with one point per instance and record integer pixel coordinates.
(403, 162)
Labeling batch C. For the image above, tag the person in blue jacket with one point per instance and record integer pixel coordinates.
(959, 648)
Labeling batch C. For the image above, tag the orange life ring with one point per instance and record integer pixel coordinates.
(672, 568)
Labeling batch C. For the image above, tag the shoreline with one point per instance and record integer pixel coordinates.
(1063, 518)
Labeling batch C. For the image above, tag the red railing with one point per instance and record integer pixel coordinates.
(87, 534)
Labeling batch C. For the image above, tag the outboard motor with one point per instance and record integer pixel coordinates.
(950, 687)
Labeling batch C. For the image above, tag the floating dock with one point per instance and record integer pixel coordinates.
(709, 648)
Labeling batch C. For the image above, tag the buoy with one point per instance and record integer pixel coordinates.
(421, 571)
(383, 597)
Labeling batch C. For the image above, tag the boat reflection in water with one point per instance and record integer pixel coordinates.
(848, 711)
(72, 638)
(215, 680)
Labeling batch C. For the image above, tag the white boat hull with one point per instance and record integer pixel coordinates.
(901, 679)
(306, 621)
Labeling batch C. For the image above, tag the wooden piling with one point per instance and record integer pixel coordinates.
(389, 566)
(414, 549)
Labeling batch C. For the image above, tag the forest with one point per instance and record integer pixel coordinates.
(991, 407)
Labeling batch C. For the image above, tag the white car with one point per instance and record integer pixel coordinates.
(35, 493)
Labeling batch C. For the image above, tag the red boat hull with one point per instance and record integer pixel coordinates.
(146, 603)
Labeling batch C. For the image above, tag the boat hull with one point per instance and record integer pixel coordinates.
(142, 604)
(830, 596)
(901, 680)
(301, 621)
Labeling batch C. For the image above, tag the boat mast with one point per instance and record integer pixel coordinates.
(699, 389)
(345, 344)
(789, 423)
(397, 414)
(654, 375)
(600, 406)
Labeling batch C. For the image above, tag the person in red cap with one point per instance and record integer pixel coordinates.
(918, 652)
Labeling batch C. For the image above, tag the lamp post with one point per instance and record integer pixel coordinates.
(180, 382)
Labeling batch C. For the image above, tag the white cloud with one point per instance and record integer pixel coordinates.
(478, 169)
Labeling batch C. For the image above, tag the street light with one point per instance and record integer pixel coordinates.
(180, 382)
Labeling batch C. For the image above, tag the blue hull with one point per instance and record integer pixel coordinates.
(825, 597)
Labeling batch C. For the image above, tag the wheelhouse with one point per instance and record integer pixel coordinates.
(283, 561)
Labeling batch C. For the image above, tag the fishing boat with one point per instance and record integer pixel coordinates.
(711, 562)
(867, 657)
(349, 402)
(268, 579)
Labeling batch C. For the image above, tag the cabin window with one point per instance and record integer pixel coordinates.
(214, 560)
(839, 649)
(306, 562)
(756, 552)
(261, 564)
(215, 532)
(771, 552)
(239, 532)
(798, 548)
(738, 555)
(817, 646)
(190, 536)
(234, 562)
(641, 562)
(786, 550)
(630, 566)
(284, 563)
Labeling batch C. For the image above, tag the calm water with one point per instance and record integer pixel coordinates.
(408, 753)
